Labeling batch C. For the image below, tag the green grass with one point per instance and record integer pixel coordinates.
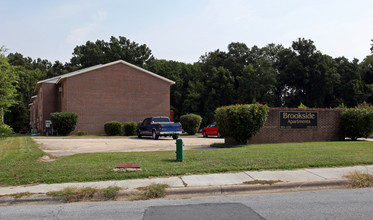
(18, 161)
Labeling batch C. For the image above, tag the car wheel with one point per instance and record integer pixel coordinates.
(204, 134)
(155, 136)
(138, 134)
(175, 136)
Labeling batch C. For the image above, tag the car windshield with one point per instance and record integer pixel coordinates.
(160, 120)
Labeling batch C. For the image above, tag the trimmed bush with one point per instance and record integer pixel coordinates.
(113, 128)
(357, 122)
(241, 122)
(5, 130)
(191, 123)
(130, 128)
(64, 122)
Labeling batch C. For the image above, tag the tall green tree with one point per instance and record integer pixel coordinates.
(219, 90)
(308, 76)
(257, 83)
(249, 74)
(195, 95)
(366, 68)
(18, 116)
(350, 90)
(17, 59)
(101, 52)
(43, 65)
(8, 83)
(28, 72)
(238, 56)
(185, 93)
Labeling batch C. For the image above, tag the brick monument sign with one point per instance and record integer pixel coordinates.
(300, 125)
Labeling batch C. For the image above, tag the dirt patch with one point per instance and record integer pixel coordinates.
(46, 158)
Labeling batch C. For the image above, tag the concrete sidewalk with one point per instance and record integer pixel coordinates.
(204, 183)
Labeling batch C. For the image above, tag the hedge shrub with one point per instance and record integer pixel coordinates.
(113, 128)
(5, 130)
(64, 122)
(357, 122)
(191, 123)
(130, 128)
(241, 122)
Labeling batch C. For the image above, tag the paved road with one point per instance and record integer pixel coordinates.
(60, 147)
(337, 204)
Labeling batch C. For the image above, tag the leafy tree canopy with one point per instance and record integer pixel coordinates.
(8, 83)
(101, 52)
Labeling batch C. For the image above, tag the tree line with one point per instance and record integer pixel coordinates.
(271, 75)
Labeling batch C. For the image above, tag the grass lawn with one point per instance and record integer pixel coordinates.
(18, 161)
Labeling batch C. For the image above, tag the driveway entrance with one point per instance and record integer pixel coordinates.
(65, 146)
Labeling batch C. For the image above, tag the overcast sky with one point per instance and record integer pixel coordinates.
(185, 30)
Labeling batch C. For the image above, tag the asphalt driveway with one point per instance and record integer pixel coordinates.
(65, 146)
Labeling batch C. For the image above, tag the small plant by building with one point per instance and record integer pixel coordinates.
(130, 128)
(191, 123)
(113, 128)
(64, 122)
(357, 122)
(241, 122)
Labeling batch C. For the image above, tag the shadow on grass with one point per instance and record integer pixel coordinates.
(170, 160)
(222, 145)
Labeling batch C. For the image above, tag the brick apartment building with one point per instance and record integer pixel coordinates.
(116, 91)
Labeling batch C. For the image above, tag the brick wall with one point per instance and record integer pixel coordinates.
(329, 128)
(40, 109)
(35, 112)
(116, 92)
(47, 103)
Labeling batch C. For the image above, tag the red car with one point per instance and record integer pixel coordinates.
(211, 130)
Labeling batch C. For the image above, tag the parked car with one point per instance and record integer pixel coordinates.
(159, 126)
(211, 130)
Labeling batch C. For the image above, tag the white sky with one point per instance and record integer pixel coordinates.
(185, 30)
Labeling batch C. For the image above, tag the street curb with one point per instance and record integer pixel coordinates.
(190, 191)
(255, 188)
(231, 189)
(34, 199)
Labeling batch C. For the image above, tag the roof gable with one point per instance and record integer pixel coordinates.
(58, 79)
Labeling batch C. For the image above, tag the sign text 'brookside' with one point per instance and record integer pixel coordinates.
(298, 120)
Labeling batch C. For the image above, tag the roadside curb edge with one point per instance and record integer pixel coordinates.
(188, 191)
(40, 199)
